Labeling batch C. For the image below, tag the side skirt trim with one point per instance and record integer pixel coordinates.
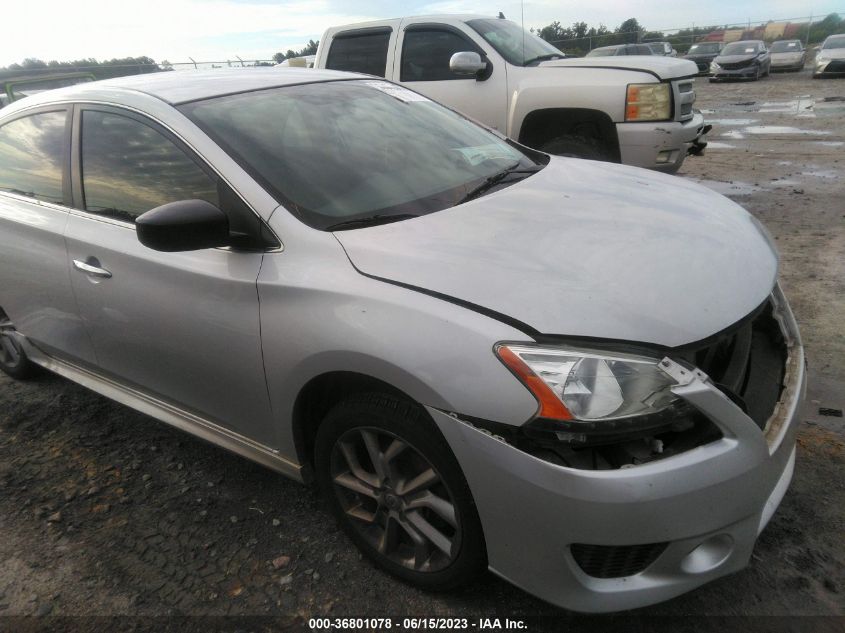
(167, 413)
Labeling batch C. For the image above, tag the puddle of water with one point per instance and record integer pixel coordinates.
(830, 143)
(785, 183)
(730, 188)
(784, 162)
(825, 174)
(734, 134)
(730, 122)
(781, 129)
(717, 145)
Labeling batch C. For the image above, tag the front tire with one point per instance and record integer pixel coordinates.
(398, 492)
(13, 359)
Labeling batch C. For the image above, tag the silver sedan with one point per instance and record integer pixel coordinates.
(583, 376)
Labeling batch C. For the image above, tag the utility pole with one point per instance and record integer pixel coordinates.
(809, 26)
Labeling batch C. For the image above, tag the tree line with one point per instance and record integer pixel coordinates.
(580, 38)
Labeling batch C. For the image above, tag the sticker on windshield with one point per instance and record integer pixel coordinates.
(791, 45)
(397, 92)
(749, 50)
(480, 153)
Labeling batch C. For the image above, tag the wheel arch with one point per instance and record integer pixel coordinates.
(319, 395)
(543, 125)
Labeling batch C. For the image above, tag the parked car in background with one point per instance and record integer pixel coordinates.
(583, 376)
(634, 110)
(746, 59)
(830, 61)
(306, 61)
(663, 48)
(703, 54)
(788, 55)
(622, 49)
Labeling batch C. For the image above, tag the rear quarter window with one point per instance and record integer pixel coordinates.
(360, 52)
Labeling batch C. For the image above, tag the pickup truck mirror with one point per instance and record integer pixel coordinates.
(186, 225)
(467, 63)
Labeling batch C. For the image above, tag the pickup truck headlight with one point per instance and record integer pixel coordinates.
(714, 67)
(582, 387)
(648, 102)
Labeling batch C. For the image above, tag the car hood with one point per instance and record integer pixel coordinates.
(586, 249)
(663, 67)
(735, 59)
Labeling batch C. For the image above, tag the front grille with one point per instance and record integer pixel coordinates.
(837, 66)
(748, 365)
(686, 109)
(615, 561)
(703, 67)
(737, 65)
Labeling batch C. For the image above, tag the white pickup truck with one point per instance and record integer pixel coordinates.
(636, 110)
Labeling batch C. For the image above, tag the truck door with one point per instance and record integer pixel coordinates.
(422, 64)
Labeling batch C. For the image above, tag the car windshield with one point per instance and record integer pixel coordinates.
(786, 47)
(704, 49)
(834, 42)
(514, 43)
(334, 152)
(741, 48)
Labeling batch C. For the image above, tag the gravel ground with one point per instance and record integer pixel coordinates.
(104, 511)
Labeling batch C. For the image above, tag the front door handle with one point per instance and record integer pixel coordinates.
(94, 271)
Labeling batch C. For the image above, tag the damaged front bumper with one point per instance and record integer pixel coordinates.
(562, 533)
(674, 140)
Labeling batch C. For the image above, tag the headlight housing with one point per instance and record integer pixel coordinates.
(584, 394)
(648, 102)
(715, 66)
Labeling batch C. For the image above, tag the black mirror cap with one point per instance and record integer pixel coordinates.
(185, 225)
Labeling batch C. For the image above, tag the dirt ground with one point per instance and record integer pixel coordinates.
(104, 511)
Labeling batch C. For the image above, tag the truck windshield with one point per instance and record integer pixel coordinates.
(514, 43)
(349, 152)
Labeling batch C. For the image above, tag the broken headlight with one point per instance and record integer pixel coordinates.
(585, 394)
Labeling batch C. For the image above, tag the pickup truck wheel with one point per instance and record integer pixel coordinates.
(575, 147)
(13, 359)
(397, 490)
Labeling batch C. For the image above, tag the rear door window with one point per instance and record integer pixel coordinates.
(360, 52)
(32, 156)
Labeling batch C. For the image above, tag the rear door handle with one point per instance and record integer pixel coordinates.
(94, 271)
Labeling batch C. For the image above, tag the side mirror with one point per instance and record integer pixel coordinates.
(467, 63)
(186, 225)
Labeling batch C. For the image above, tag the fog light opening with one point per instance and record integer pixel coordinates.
(664, 157)
(709, 555)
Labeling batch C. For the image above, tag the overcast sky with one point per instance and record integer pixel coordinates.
(212, 30)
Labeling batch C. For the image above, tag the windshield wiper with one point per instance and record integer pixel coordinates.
(370, 220)
(543, 58)
(491, 181)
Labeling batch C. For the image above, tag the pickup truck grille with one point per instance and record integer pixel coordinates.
(684, 98)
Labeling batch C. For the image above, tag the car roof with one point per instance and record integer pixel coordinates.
(176, 87)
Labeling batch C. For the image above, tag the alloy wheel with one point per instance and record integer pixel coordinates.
(395, 499)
